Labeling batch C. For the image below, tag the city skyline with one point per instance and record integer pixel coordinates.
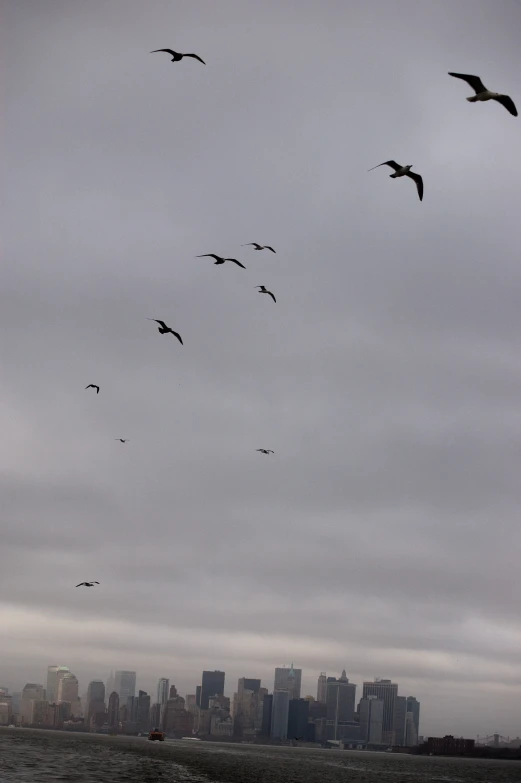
(382, 534)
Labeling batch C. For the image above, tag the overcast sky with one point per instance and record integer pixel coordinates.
(383, 536)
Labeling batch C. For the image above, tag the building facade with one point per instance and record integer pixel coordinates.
(113, 711)
(322, 688)
(125, 685)
(163, 688)
(51, 691)
(212, 684)
(387, 691)
(298, 715)
(279, 715)
(32, 692)
(371, 712)
(340, 705)
(288, 680)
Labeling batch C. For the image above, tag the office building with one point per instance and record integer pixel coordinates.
(95, 701)
(6, 708)
(322, 688)
(413, 706)
(163, 687)
(340, 705)
(279, 715)
(178, 722)
(32, 692)
(371, 711)
(110, 684)
(67, 690)
(51, 692)
(190, 702)
(143, 711)
(387, 691)
(288, 680)
(411, 735)
(198, 695)
(246, 706)
(113, 710)
(125, 685)
(298, 714)
(267, 708)
(400, 711)
(212, 685)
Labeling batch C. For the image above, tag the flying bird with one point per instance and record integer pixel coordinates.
(164, 329)
(482, 94)
(177, 56)
(87, 584)
(122, 440)
(93, 386)
(259, 247)
(403, 171)
(220, 260)
(264, 290)
(298, 738)
(266, 451)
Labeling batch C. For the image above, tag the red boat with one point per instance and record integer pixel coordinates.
(155, 734)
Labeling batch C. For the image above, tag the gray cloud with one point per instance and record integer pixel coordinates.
(383, 534)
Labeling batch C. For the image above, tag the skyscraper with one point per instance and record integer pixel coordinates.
(68, 690)
(267, 708)
(125, 685)
(212, 685)
(95, 700)
(279, 715)
(113, 710)
(400, 711)
(51, 693)
(322, 688)
(198, 695)
(413, 706)
(143, 711)
(32, 692)
(340, 703)
(298, 713)
(387, 691)
(163, 685)
(288, 679)
(371, 716)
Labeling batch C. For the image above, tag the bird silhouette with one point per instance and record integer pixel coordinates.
(482, 94)
(177, 56)
(403, 171)
(297, 738)
(264, 290)
(164, 329)
(93, 386)
(259, 247)
(265, 451)
(87, 584)
(122, 440)
(220, 259)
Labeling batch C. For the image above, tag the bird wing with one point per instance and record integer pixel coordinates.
(268, 247)
(269, 292)
(419, 182)
(177, 335)
(235, 262)
(210, 255)
(90, 386)
(508, 103)
(474, 81)
(255, 244)
(95, 583)
(196, 57)
(170, 51)
(162, 323)
(392, 163)
(81, 583)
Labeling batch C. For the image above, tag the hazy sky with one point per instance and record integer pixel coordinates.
(383, 535)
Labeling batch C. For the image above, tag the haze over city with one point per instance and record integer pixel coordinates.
(382, 536)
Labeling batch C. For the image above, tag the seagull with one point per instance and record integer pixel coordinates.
(259, 247)
(87, 584)
(122, 440)
(266, 451)
(298, 738)
(264, 290)
(403, 171)
(220, 260)
(93, 386)
(482, 94)
(177, 56)
(164, 329)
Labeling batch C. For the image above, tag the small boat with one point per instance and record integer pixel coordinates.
(155, 734)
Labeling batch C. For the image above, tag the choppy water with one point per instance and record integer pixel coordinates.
(28, 756)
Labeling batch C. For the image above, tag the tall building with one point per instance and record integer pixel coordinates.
(6, 708)
(340, 704)
(267, 708)
(298, 714)
(198, 695)
(67, 689)
(163, 686)
(125, 685)
(143, 711)
(113, 710)
(95, 700)
(32, 692)
(111, 682)
(400, 711)
(411, 735)
(51, 692)
(387, 691)
(371, 711)
(289, 680)
(212, 685)
(413, 706)
(322, 688)
(246, 706)
(178, 722)
(279, 715)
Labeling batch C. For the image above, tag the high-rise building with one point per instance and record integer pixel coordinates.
(113, 710)
(198, 695)
(340, 703)
(387, 691)
(67, 689)
(51, 692)
(125, 685)
(267, 708)
(163, 686)
(95, 702)
(6, 708)
(279, 715)
(110, 684)
(143, 711)
(411, 735)
(190, 702)
(172, 693)
(400, 710)
(178, 722)
(371, 711)
(413, 706)
(155, 716)
(322, 688)
(32, 692)
(246, 706)
(212, 685)
(289, 680)
(298, 714)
